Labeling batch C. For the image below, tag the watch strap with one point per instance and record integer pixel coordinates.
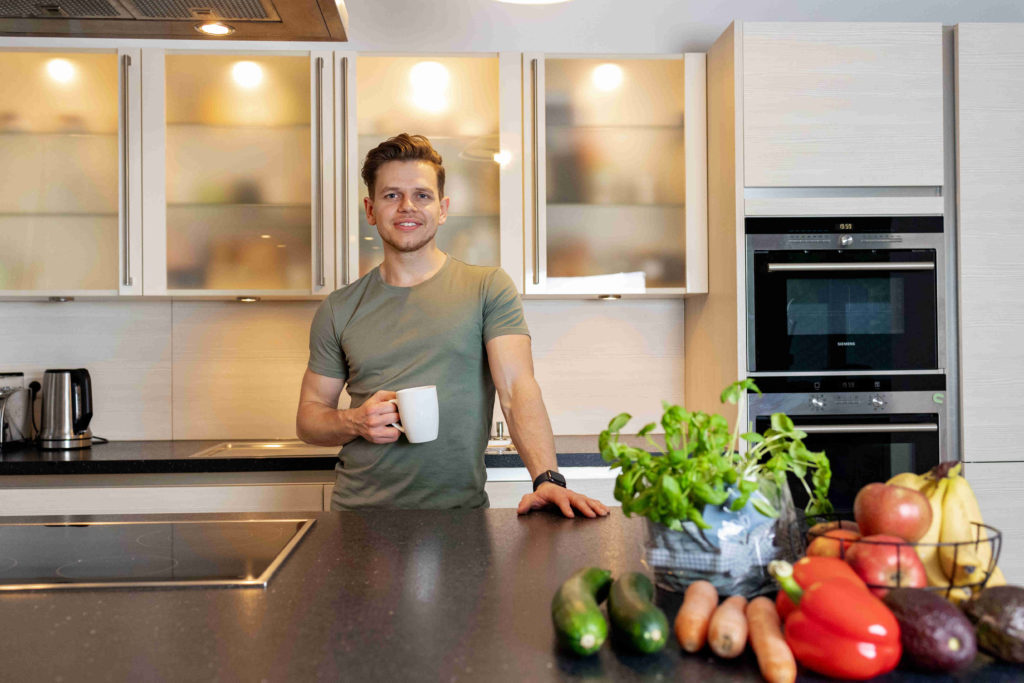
(549, 476)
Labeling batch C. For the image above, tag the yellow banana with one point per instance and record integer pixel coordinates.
(910, 480)
(996, 578)
(926, 547)
(957, 596)
(965, 563)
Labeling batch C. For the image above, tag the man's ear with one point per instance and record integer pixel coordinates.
(368, 206)
(443, 215)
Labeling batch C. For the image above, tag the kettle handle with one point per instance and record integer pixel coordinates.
(84, 382)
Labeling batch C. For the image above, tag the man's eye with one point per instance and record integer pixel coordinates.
(390, 195)
(424, 195)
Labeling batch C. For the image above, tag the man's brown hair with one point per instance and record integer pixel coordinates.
(402, 147)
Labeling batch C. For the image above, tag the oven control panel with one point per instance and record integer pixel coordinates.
(823, 402)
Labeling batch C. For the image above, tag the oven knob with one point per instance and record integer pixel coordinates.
(845, 240)
(817, 402)
(877, 402)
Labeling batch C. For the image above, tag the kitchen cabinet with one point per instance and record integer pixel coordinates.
(615, 168)
(70, 223)
(990, 151)
(999, 487)
(842, 105)
(239, 162)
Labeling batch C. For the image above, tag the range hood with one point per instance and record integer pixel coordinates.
(294, 20)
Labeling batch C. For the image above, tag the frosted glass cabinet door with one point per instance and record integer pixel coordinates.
(242, 172)
(62, 148)
(454, 101)
(618, 152)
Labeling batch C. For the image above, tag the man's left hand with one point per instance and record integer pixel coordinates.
(564, 499)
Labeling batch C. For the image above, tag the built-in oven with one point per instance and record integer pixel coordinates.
(845, 294)
(871, 427)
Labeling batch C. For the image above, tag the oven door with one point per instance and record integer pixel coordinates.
(865, 448)
(827, 310)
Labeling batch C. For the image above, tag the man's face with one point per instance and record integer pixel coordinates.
(406, 206)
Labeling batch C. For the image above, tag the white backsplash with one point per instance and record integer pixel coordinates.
(224, 370)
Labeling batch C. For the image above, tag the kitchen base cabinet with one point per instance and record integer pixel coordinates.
(999, 487)
(153, 494)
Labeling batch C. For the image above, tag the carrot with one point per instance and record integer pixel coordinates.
(691, 625)
(727, 632)
(773, 654)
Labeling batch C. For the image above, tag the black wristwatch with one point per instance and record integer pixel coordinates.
(550, 475)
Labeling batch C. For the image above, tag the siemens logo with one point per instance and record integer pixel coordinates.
(846, 343)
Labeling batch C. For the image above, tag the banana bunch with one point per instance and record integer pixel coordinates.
(954, 511)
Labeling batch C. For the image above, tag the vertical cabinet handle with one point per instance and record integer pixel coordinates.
(536, 179)
(321, 279)
(126, 63)
(344, 171)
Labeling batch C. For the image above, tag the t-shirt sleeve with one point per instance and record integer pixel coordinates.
(325, 354)
(503, 310)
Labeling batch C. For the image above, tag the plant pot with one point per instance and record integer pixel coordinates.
(734, 553)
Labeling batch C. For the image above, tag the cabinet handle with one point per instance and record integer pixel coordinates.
(321, 279)
(126, 62)
(344, 171)
(833, 267)
(536, 179)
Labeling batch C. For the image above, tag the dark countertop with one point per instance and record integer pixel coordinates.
(387, 595)
(132, 457)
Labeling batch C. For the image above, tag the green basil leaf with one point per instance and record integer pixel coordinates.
(619, 421)
(765, 508)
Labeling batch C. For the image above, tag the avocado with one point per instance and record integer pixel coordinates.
(998, 614)
(935, 635)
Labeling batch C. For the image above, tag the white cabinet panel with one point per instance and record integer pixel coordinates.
(990, 139)
(842, 104)
(507, 486)
(1000, 491)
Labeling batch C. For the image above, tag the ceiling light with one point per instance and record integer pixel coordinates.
(266, 237)
(60, 70)
(247, 74)
(248, 299)
(429, 82)
(214, 29)
(607, 77)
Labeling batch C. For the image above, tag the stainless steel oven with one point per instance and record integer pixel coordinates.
(861, 294)
(870, 426)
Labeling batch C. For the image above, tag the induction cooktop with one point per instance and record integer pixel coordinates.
(40, 556)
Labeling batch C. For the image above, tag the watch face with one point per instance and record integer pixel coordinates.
(557, 478)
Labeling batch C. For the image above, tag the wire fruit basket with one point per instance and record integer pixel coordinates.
(987, 541)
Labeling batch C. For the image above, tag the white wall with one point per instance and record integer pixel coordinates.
(620, 26)
(224, 370)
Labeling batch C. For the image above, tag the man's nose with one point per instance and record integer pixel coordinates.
(406, 204)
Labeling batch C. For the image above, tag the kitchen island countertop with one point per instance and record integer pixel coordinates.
(387, 595)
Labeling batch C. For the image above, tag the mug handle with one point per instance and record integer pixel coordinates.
(395, 424)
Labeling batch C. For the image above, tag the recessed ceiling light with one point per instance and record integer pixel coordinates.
(214, 29)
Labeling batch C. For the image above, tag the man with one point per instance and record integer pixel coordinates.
(424, 318)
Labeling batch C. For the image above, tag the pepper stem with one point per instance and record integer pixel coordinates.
(783, 573)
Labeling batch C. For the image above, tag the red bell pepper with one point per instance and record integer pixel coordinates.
(808, 571)
(839, 629)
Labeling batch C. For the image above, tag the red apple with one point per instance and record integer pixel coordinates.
(883, 560)
(834, 543)
(893, 510)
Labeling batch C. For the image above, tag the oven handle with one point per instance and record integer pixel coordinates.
(884, 265)
(868, 429)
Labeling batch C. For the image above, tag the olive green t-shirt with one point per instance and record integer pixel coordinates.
(376, 336)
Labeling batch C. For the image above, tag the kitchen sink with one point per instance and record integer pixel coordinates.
(266, 449)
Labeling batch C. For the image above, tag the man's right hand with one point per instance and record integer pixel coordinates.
(373, 419)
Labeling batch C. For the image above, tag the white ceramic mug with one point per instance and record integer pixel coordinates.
(417, 410)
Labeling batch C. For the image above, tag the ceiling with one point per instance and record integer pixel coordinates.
(291, 20)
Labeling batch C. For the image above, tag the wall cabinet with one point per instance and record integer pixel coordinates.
(70, 222)
(616, 168)
(227, 172)
(842, 104)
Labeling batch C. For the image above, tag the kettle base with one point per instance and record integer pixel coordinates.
(83, 440)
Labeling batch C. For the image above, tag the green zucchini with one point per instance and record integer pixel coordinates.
(579, 624)
(634, 615)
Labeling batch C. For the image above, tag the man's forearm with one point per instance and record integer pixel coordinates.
(530, 427)
(324, 426)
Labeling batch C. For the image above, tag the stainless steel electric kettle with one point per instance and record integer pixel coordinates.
(67, 410)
